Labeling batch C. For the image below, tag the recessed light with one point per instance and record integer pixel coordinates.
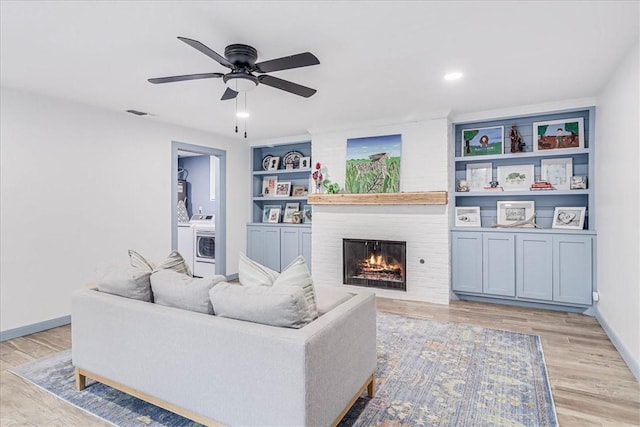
(453, 76)
(242, 114)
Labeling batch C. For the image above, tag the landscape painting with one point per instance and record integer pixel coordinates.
(482, 141)
(373, 164)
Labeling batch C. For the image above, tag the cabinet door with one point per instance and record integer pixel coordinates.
(572, 269)
(263, 245)
(289, 246)
(498, 266)
(466, 261)
(305, 245)
(534, 266)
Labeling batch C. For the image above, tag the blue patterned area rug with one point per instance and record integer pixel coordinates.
(429, 374)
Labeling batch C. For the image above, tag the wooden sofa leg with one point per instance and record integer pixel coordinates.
(81, 380)
(371, 387)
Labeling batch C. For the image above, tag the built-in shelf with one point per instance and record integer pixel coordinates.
(494, 193)
(418, 198)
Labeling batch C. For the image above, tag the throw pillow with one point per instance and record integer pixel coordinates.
(178, 290)
(128, 282)
(174, 262)
(283, 306)
(297, 274)
(250, 273)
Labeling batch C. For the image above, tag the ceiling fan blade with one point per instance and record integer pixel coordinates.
(204, 49)
(286, 86)
(229, 94)
(185, 77)
(287, 62)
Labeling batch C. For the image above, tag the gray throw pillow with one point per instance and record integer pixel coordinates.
(181, 291)
(251, 273)
(282, 306)
(174, 262)
(128, 282)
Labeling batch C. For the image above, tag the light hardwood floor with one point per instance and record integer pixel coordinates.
(591, 384)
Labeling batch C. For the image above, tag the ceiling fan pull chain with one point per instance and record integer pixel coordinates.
(236, 114)
(245, 120)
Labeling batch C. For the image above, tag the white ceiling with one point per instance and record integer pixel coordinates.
(380, 61)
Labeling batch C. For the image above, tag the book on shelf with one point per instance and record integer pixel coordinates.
(489, 188)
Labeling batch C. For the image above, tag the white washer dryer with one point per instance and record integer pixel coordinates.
(204, 244)
(185, 242)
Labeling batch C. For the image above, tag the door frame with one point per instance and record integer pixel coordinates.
(221, 195)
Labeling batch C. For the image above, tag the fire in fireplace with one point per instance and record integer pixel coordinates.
(374, 263)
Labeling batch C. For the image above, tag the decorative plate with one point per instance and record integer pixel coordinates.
(265, 161)
(291, 160)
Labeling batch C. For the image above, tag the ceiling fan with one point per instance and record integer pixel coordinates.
(241, 59)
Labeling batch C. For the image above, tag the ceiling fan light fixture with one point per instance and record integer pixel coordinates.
(453, 76)
(240, 82)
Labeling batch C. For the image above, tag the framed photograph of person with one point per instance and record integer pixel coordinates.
(513, 213)
(306, 214)
(305, 163)
(468, 216)
(569, 218)
(269, 186)
(298, 191)
(482, 141)
(274, 215)
(558, 134)
(274, 162)
(265, 211)
(283, 189)
(289, 209)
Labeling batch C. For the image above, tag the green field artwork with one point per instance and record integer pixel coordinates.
(373, 164)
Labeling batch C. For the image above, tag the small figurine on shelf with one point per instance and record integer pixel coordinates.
(517, 145)
(318, 177)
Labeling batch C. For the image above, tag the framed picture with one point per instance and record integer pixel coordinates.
(479, 175)
(283, 188)
(305, 162)
(306, 214)
(569, 218)
(289, 209)
(578, 182)
(516, 177)
(557, 171)
(513, 212)
(468, 216)
(265, 211)
(274, 215)
(482, 141)
(274, 162)
(298, 191)
(558, 134)
(269, 184)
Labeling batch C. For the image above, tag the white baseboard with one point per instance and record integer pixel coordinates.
(32, 329)
(633, 364)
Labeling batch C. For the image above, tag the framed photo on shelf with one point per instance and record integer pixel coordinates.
(269, 184)
(479, 175)
(512, 212)
(569, 218)
(283, 188)
(516, 177)
(557, 171)
(468, 216)
(558, 134)
(578, 182)
(305, 162)
(306, 214)
(274, 215)
(482, 141)
(298, 191)
(265, 211)
(289, 209)
(274, 162)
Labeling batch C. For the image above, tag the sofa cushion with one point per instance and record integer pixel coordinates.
(328, 298)
(178, 290)
(251, 273)
(297, 274)
(128, 282)
(283, 306)
(174, 261)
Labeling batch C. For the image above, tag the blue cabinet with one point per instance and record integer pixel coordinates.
(534, 266)
(276, 246)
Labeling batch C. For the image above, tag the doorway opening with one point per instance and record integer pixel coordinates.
(203, 205)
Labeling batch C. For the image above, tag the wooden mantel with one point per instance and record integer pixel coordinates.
(419, 198)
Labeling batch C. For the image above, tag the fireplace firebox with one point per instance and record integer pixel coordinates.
(374, 263)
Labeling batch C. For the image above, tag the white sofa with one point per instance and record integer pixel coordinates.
(218, 370)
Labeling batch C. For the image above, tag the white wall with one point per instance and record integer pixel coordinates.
(618, 204)
(423, 167)
(81, 186)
